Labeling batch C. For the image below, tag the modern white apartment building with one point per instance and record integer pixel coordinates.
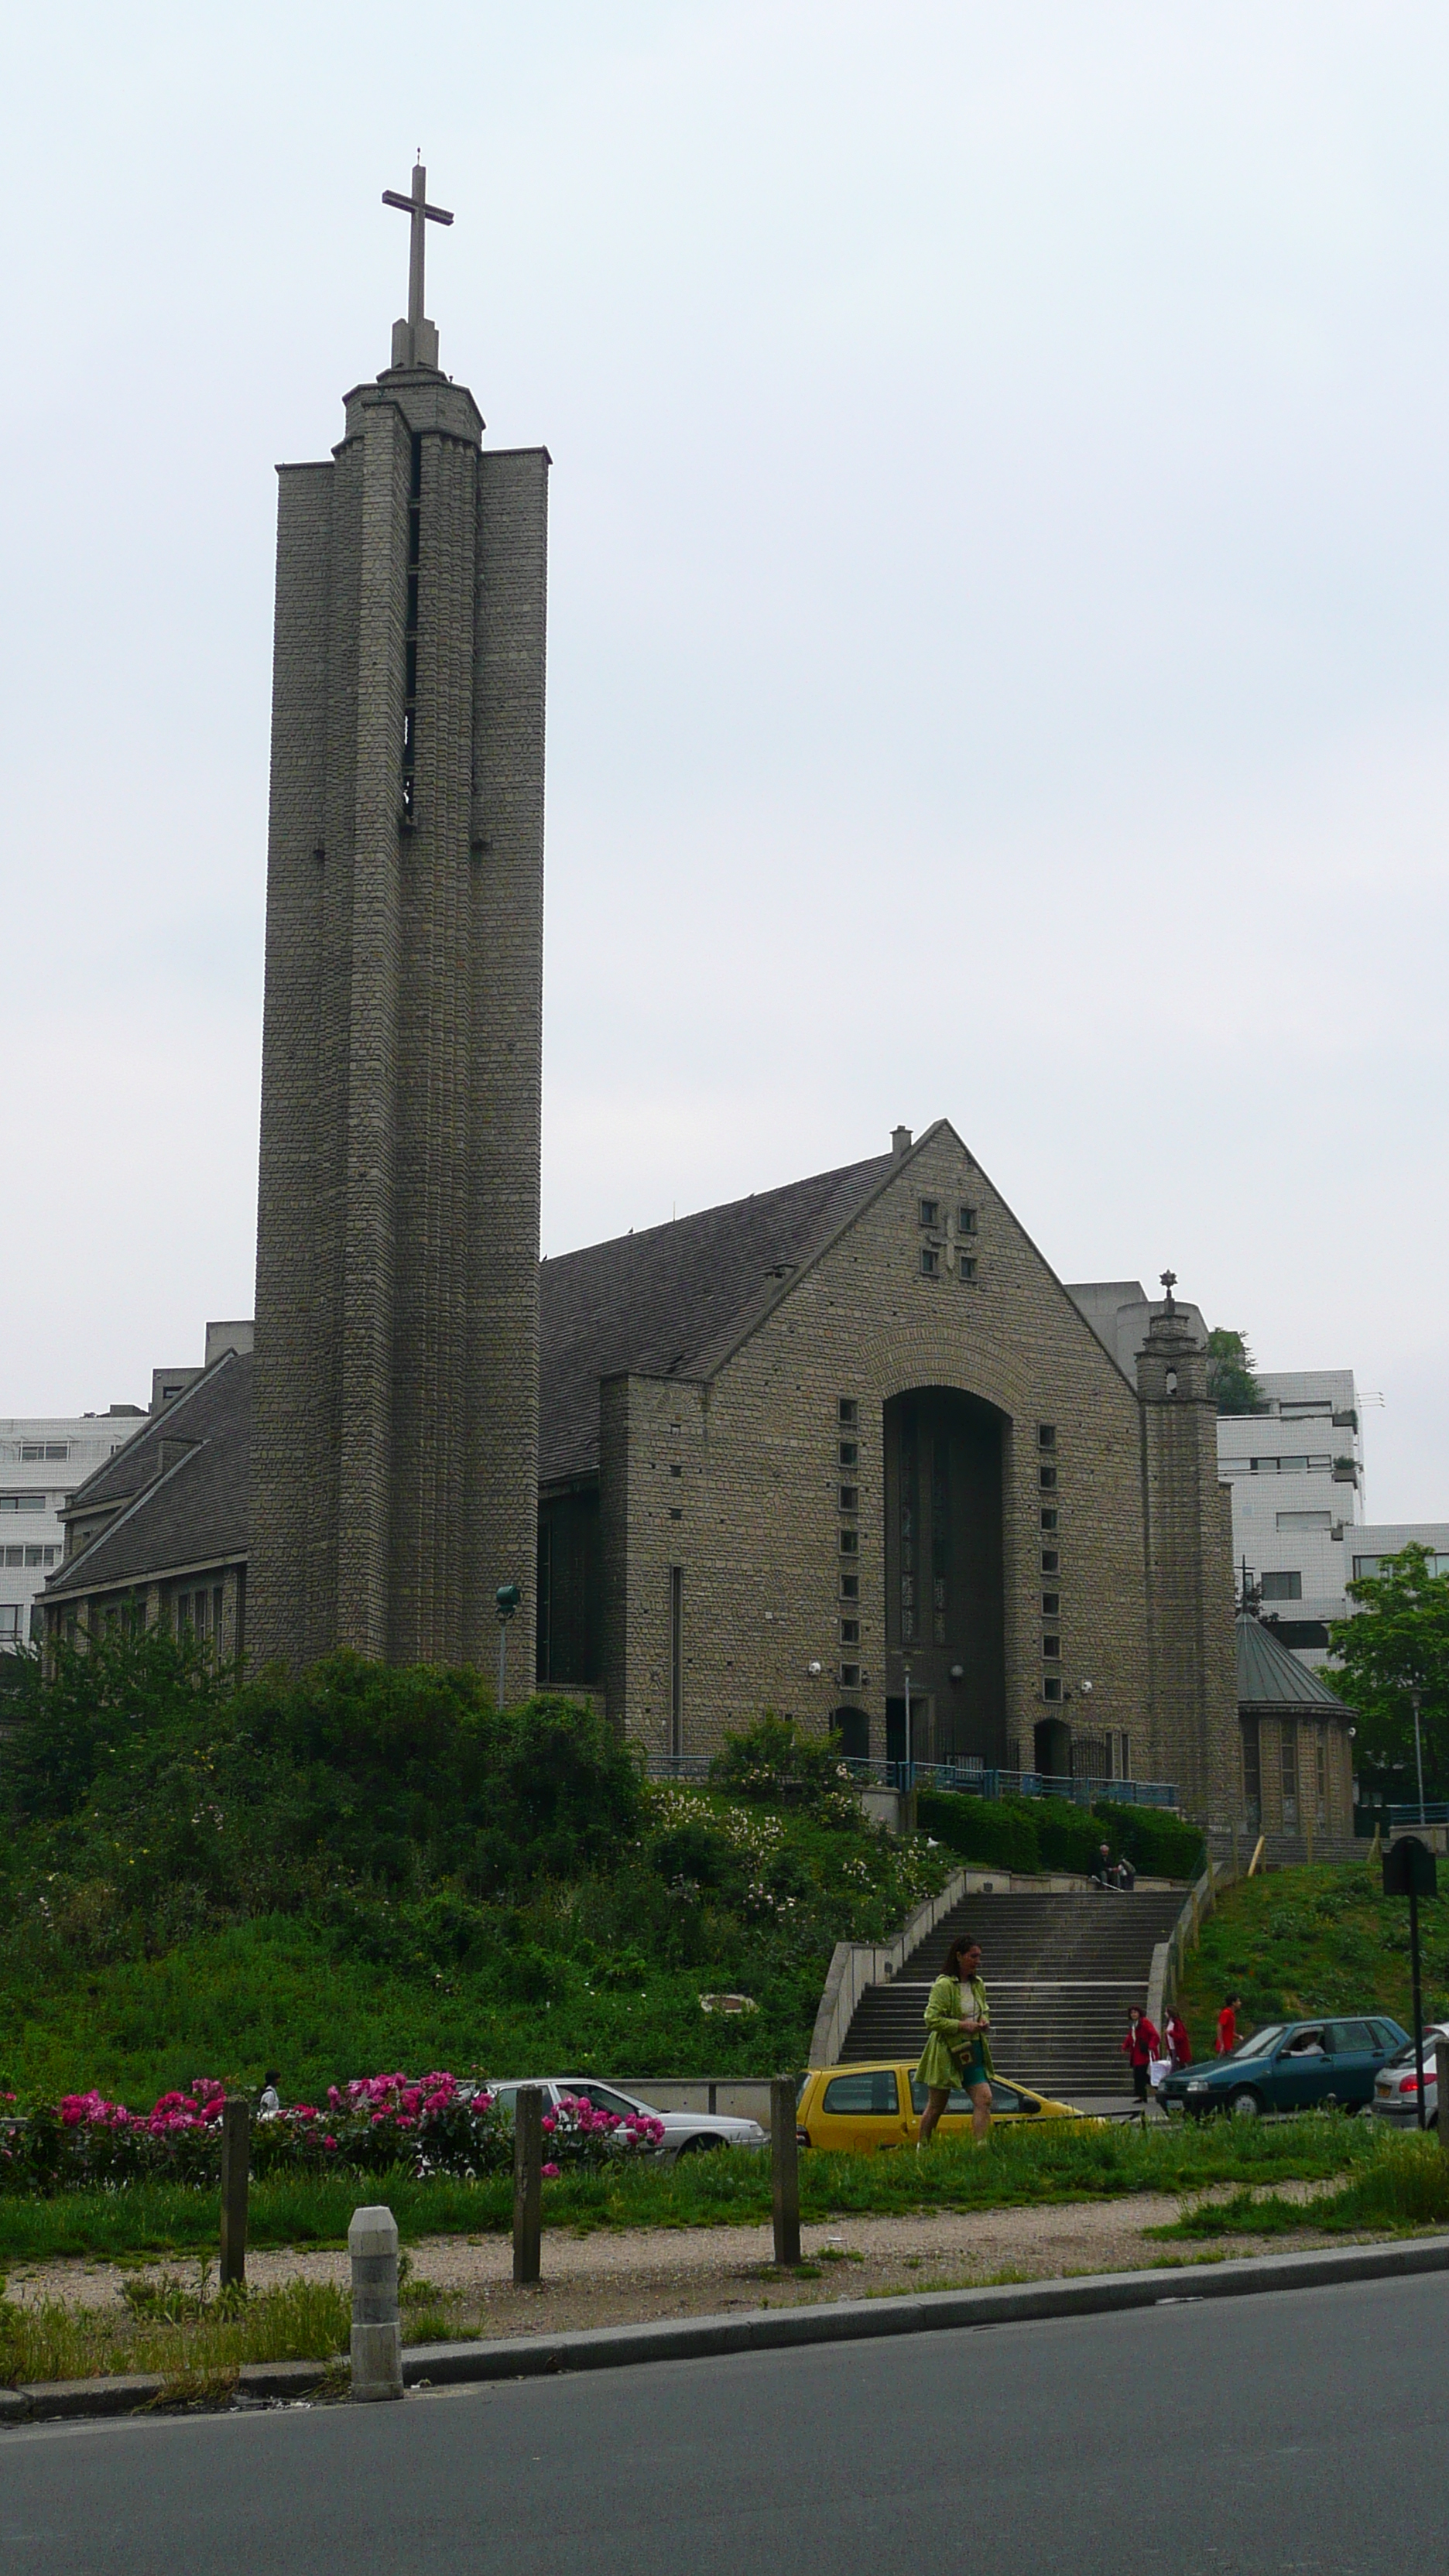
(1296, 1473)
(41, 1461)
(1374, 1540)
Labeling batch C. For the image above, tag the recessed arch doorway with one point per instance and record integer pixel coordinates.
(945, 1586)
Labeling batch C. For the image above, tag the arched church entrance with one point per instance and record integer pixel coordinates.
(852, 1725)
(945, 1589)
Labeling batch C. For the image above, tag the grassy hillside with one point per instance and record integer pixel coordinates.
(372, 1869)
(1302, 1941)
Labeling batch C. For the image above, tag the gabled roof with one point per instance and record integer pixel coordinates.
(1269, 1677)
(673, 1300)
(189, 1508)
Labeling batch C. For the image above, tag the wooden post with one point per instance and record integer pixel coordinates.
(376, 2329)
(1441, 2083)
(527, 2182)
(785, 2171)
(235, 2171)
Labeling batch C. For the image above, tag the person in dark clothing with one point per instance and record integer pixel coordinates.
(1139, 2046)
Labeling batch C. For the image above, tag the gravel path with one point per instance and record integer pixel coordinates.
(611, 2277)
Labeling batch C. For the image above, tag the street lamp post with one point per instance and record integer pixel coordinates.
(1418, 1752)
(910, 1775)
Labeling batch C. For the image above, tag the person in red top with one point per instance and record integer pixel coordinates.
(1140, 2046)
(1174, 2031)
(1228, 2026)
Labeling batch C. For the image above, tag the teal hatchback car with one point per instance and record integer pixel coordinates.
(1290, 2066)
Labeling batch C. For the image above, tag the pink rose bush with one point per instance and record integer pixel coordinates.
(423, 2125)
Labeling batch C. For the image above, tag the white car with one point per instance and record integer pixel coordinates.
(1396, 2087)
(686, 2133)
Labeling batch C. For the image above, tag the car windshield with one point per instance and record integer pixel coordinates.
(1262, 2041)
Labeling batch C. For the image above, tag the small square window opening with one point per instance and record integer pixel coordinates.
(850, 1632)
(1047, 1479)
(1050, 1561)
(850, 1587)
(966, 1264)
(1051, 1603)
(1052, 1687)
(966, 1220)
(847, 1410)
(850, 1498)
(849, 1452)
(930, 1211)
(849, 1542)
(850, 1676)
(1052, 1646)
(1048, 1516)
(1046, 1435)
(930, 1261)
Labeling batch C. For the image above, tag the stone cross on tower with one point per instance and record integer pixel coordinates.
(415, 342)
(1169, 1281)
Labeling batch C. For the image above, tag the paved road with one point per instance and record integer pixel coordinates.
(1302, 2432)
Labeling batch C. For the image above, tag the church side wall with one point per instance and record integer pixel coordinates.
(758, 1538)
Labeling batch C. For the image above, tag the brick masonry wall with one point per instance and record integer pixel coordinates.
(757, 1490)
(397, 1285)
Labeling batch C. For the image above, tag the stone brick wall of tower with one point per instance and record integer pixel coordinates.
(395, 1443)
(757, 1493)
(506, 893)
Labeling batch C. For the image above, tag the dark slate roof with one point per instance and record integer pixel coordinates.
(1270, 1677)
(195, 1511)
(674, 1300)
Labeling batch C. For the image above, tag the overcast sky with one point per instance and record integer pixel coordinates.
(999, 656)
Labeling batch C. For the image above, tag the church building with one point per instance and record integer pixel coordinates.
(848, 1449)
(851, 1443)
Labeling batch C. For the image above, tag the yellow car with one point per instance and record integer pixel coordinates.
(864, 2110)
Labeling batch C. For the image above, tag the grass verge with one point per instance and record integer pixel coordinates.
(1405, 2184)
(1063, 2162)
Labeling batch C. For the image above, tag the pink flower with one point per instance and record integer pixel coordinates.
(329, 2142)
(549, 2172)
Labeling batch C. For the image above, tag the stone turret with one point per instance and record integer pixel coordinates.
(1189, 1545)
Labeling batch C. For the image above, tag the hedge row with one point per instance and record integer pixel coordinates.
(1051, 1833)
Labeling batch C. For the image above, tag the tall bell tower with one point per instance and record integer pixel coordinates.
(394, 1459)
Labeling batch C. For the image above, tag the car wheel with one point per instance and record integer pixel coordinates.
(1245, 2104)
(700, 2146)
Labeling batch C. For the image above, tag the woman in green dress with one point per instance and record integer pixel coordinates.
(957, 2050)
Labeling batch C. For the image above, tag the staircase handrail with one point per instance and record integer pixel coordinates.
(1168, 1956)
(854, 1965)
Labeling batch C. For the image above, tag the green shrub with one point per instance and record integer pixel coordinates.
(772, 1760)
(1155, 1841)
(999, 1832)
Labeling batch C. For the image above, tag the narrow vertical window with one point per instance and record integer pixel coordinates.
(410, 637)
(676, 1659)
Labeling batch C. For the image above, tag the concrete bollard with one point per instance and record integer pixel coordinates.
(1441, 2095)
(785, 2170)
(376, 2332)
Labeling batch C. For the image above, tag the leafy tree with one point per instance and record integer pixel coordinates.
(1398, 1640)
(1230, 1378)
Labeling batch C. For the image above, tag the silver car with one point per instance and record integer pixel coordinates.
(1396, 2087)
(686, 2133)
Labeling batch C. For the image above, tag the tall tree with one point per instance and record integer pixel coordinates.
(1230, 1378)
(1397, 1641)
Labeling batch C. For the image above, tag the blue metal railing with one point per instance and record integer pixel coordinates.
(973, 1779)
(1435, 1811)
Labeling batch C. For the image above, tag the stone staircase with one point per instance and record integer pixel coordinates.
(1060, 1972)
